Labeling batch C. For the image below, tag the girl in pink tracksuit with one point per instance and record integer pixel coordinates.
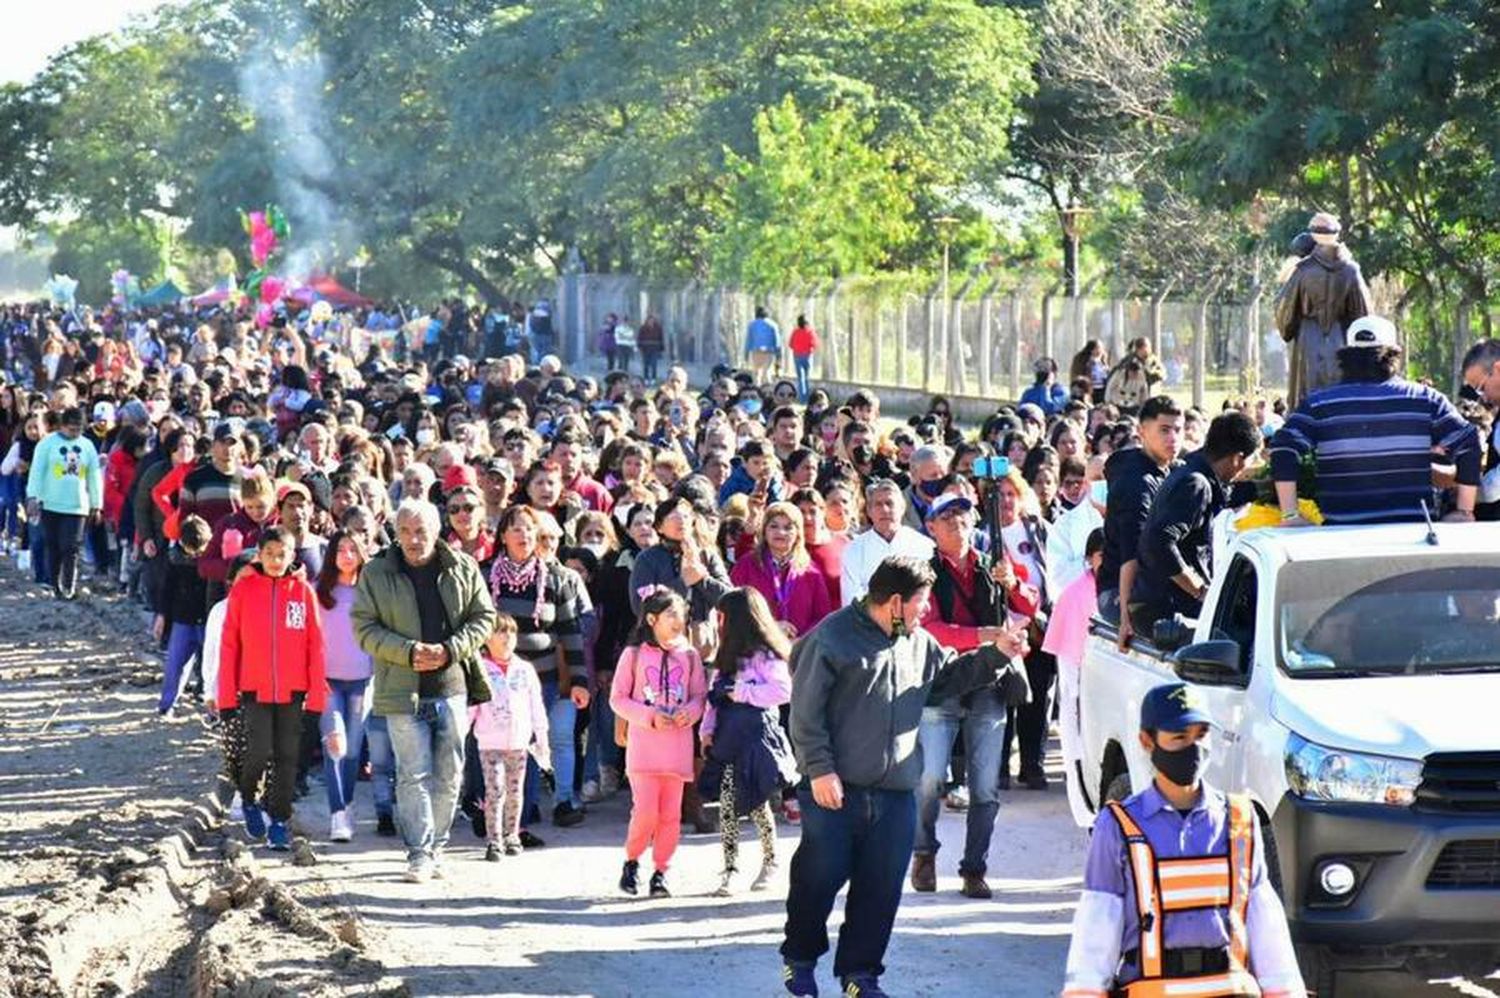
(505, 728)
(660, 690)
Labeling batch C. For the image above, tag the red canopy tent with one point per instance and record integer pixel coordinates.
(325, 288)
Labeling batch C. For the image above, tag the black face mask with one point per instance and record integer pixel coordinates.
(934, 488)
(1184, 767)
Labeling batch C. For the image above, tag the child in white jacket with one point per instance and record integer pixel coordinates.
(514, 720)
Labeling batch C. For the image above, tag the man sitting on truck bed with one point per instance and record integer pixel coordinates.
(1133, 476)
(1374, 435)
(1176, 547)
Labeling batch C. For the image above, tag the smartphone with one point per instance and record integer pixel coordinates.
(675, 415)
(991, 467)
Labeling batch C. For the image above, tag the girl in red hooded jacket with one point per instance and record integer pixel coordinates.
(271, 670)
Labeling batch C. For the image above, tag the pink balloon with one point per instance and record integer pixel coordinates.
(271, 290)
(263, 315)
(233, 543)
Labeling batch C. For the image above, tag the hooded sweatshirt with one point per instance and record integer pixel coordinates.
(272, 644)
(858, 694)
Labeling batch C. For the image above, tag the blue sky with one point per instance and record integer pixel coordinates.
(37, 30)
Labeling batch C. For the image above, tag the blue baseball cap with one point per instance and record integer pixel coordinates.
(1172, 707)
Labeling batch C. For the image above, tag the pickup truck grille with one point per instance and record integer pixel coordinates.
(1472, 863)
(1466, 782)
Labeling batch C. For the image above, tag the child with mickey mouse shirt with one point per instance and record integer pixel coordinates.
(660, 690)
(271, 669)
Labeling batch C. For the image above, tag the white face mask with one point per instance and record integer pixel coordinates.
(425, 436)
(599, 550)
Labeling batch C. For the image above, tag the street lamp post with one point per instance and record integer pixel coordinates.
(1072, 220)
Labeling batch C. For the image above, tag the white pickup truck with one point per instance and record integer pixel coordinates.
(1353, 675)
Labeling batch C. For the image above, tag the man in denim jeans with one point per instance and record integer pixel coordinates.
(859, 681)
(422, 612)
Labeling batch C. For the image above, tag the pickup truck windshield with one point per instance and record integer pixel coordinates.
(1379, 616)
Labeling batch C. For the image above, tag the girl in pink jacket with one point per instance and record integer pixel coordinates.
(660, 690)
(514, 720)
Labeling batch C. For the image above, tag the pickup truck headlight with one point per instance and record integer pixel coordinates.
(1319, 773)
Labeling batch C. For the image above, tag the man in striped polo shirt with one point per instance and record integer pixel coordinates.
(1374, 435)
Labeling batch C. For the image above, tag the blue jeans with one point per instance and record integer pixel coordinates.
(865, 844)
(347, 698)
(63, 533)
(560, 717)
(12, 498)
(185, 641)
(429, 749)
(601, 748)
(382, 765)
(36, 543)
(983, 727)
(803, 366)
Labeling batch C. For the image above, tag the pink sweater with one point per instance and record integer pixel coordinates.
(515, 713)
(801, 599)
(763, 681)
(648, 679)
(1068, 628)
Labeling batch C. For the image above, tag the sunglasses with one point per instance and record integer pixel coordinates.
(464, 508)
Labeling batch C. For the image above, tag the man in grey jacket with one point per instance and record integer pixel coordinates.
(860, 680)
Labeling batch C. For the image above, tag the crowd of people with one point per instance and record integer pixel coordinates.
(498, 589)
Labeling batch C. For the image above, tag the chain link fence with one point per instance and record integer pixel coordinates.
(979, 341)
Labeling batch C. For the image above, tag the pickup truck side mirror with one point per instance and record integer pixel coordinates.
(1211, 663)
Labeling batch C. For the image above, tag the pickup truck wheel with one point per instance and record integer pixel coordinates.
(1318, 971)
(1272, 857)
(1119, 787)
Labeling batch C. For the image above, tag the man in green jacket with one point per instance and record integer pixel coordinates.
(422, 612)
(65, 487)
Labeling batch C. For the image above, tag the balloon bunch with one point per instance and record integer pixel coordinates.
(61, 289)
(125, 286)
(267, 230)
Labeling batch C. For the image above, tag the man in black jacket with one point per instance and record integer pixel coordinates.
(1176, 549)
(1133, 476)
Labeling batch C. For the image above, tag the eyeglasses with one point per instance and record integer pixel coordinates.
(464, 508)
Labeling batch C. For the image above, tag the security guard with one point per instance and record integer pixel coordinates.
(1175, 897)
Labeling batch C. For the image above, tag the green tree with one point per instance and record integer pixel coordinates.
(815, 201)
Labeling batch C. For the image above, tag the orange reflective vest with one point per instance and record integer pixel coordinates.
(1163, 886)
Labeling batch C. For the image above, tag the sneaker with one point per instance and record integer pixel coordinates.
(255, 823)
(609, 782)
(1036, 780)
(726, 883)
(863, 986)
(340, 827)
(385, 825)
(236, 809)
(531, 841)
(958, 799)
(476, 822)
(492, 853)
(630, 878)
(764, 877)
(791, 810)
(280, 836)
(659, 885)
(439, 871)
(419, 871)
(565, 815)
(591, 792)
(513, 847)
(801, 982)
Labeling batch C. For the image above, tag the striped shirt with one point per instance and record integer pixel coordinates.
(1374, 445)
(555, 622)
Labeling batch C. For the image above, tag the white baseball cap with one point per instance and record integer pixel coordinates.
(1371, 331)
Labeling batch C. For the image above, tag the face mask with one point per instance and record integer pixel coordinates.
(1183, 767)
(157, 408)
(425, 436)
(599, 550)
(933, 489)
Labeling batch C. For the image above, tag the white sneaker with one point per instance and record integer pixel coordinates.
(764, 877)
(958, 799)
(726, 884)
(591, 794)
(236, 809)
(419, 871)
(340, 827)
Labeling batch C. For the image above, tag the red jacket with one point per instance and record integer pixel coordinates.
(164, 494)
(119, 472)
(803, 341)
(273, 642)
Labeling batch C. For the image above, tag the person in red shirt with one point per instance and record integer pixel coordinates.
(803, 343)
(568, 451)
(971, 598)
(271, 670)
